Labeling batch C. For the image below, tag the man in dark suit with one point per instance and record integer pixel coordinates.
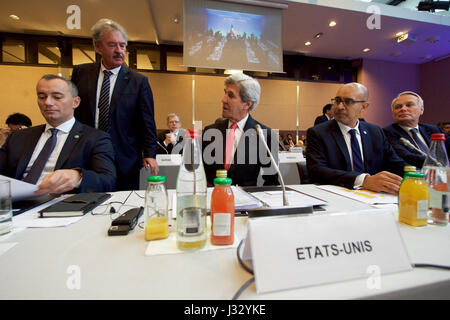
(352, 153)
(171, 140)
(407, 108)
(232, 143)
(119, 101)
(327, 114)
(62, 155)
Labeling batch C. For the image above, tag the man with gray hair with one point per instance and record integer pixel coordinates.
(407, 108)
(352, 153)
(232, 143)
(171, 140)
(119, 101)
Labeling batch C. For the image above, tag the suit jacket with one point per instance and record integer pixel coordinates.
(131, 122)
(320, 119)
(394, 132)
(163, 149)
(87, 149)
(247, 162)
(328, 159)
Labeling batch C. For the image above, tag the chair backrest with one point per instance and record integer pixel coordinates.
(303, 172)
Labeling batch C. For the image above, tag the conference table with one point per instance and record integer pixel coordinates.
(80, 261)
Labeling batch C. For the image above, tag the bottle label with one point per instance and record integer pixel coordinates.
(436, 198)
(422, 209)
(192, 223)
(222, 224)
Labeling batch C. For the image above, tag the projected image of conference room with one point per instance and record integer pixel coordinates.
(235, 40)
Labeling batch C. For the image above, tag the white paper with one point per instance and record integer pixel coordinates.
(242, 200)
(20, 190)
(295, 199)
(30, 218)
(366, 196)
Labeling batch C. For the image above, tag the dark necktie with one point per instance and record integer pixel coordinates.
(39, 164)
(103, 103)
(422, 146)
(356, 152)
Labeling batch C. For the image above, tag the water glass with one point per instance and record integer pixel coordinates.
(5, 207)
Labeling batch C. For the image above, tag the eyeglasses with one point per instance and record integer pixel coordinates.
(346, 101)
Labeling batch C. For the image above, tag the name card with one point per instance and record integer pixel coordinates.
(290, 157)
(168, 159)
(292, 252)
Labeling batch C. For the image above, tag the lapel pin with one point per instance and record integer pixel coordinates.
(365, 132)
(76, 136)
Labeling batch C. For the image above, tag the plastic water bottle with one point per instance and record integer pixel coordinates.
(222, 210)
(156, 209)
(437, 175)
(191, 196)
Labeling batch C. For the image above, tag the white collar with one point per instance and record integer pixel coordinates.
(345, 129)
(64, 127)
(115, 71)
(240, 123)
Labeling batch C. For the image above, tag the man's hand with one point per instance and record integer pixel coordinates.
(169, 138)
(59, 181)
(151, 162)
(383, 181)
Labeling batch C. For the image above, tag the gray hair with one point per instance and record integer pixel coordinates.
(106, 24)
(249, 88)
(72, 87)
(172, 115)
(419, 98)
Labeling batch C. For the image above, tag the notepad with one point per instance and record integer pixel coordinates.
(74, 206)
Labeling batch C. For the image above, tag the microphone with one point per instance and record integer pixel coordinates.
(258, 129)
(159, 144)
(409, 144)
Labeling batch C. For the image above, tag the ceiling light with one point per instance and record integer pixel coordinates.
(14, 17)
(176, 20)
(398, 34)
(332, 23)
(366, 50)
(317, 36)
(307, 43)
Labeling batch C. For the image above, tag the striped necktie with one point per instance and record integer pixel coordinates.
(422, 146)
(103, 102)
(358, 165)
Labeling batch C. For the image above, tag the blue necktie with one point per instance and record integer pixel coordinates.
(39, 164)
(358, 165)
(422, 146)
(103, 102)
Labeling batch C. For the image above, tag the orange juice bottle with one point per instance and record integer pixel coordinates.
(413, 200)
(222, 211)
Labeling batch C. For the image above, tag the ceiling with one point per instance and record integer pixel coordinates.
(153, 21)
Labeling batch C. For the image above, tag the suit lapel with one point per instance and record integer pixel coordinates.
(74, 137)
(92, 83)
(366, 141)
(121, 83)
(404, 134)
(30, 145)
(337, 134)
(425, 134)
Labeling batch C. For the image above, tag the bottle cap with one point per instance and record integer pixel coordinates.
(409, 168)
(222, 181)
(438, 137)
(156, 179)
(192, 133)
(414, 174)
(221, 173)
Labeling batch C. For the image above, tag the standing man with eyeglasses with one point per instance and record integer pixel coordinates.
(119, 101)
(352, 153)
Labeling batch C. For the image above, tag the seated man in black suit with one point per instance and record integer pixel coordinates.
(62, 155)
(171, 140)
(327, 114)
(352, 153)
(232, 143)
(407, 108)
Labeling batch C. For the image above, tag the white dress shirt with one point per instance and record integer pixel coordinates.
(407, 129)
(347, 137)
(112, 83)
(63, 133)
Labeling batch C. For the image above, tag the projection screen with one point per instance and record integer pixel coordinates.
(223, 35)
